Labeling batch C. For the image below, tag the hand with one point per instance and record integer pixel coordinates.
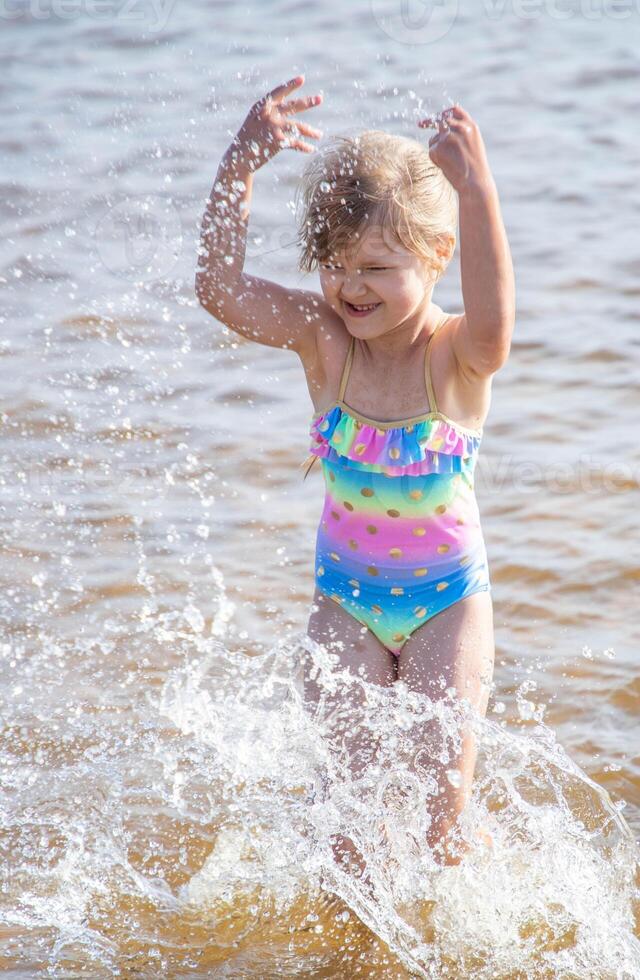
(458, 148)
(266, 129)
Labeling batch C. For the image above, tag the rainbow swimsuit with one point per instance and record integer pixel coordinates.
(399, 538)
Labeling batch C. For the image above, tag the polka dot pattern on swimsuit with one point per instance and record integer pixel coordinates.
(399, 538)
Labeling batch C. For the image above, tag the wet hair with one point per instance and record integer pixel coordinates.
(368, 180)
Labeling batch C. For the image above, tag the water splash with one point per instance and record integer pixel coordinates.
(189, 822)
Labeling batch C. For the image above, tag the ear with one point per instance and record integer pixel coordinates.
(445, 247)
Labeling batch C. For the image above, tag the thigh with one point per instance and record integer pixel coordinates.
(359, 650)
(360, 653)
(454, 649)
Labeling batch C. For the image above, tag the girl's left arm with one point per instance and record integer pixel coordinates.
(482, 339)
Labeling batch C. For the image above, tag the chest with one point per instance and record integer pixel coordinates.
(400, 395)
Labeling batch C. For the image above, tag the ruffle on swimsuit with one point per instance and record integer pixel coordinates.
(433, 445)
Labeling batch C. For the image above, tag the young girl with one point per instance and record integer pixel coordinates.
(401, 392)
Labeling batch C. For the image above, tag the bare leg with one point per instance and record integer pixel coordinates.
(457, 645)
(357, 648)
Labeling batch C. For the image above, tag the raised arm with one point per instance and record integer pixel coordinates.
(256, 308)
(482, 336)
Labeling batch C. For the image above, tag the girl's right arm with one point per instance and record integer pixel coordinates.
(256, 308)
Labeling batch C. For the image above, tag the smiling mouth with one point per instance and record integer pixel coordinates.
(361, 308)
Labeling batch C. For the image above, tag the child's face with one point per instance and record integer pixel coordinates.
(380, 272)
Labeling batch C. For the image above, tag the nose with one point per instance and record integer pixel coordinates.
(346, 294)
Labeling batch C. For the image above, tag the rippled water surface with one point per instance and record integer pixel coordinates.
(167, 804)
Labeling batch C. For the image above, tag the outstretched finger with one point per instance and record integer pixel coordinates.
(300, 145)
(294, 125)
(300, 105)
(308, 130)
(280, 91)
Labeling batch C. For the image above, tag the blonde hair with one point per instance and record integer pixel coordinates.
(375, 178)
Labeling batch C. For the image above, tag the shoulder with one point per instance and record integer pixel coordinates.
(328, 341)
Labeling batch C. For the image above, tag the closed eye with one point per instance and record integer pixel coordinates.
(371, 268)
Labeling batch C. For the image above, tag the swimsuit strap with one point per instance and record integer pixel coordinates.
(427, 368)
(346, 369)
